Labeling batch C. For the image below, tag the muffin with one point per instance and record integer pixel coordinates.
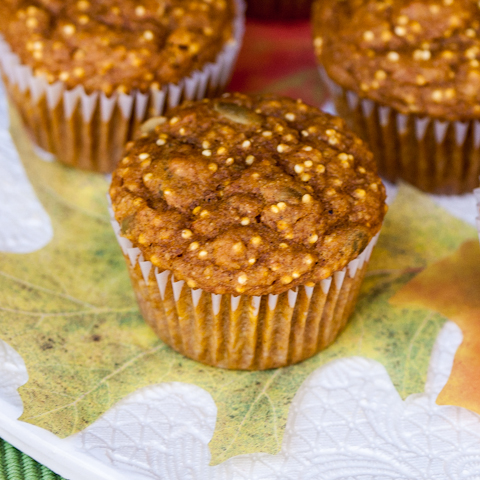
(84, 75)
(247, 223)
(279, 9)
(406, 76)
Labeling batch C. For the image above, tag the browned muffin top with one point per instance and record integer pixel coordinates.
(249, 195)
(420, 56)
(116, 44)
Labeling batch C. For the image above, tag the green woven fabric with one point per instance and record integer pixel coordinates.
(15, 465)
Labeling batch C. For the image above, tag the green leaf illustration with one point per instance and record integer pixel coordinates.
(69, 310)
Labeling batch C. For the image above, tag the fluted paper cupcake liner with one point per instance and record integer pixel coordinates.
(279, 9)
(89, 131)
(433, 155)
(477, 197)
(244, 332)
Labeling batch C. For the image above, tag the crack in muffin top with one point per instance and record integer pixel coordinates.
(418, 56)
(119, 45)
(248, 194)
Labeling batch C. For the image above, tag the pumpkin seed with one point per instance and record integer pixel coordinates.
(238, 113)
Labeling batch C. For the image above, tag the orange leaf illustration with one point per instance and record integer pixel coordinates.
(452, 287)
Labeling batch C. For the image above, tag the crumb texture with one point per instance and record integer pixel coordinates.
(418, 56)
(116, 44)
(248, 194)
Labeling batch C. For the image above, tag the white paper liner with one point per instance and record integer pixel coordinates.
(436, 156)
(135, 108)
(476, 192)
(301, 299)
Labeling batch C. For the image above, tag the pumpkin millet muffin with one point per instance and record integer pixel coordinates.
(407, 78)
(240, 211)
(99, 69)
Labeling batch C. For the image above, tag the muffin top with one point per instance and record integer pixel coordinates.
(116, 44)
(418, 56)
(248, 194)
